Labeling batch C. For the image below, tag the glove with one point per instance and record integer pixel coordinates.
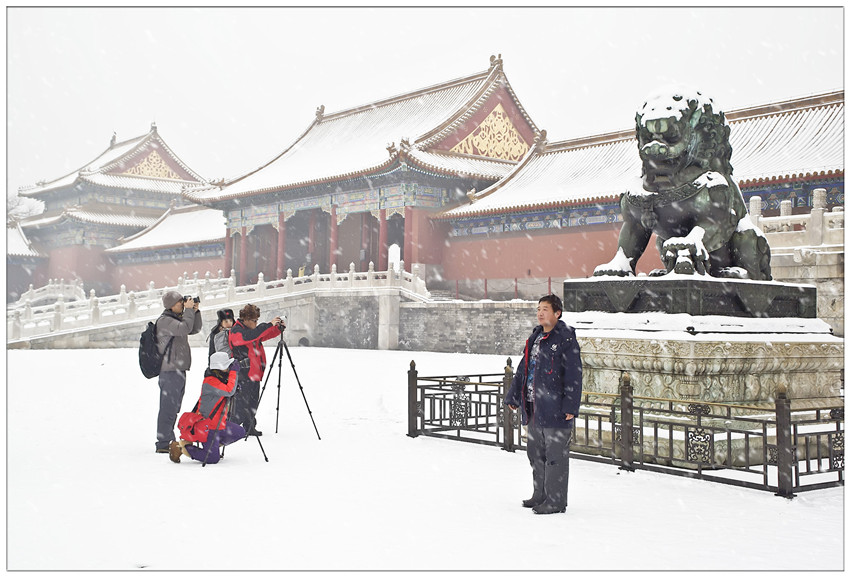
(234, 366)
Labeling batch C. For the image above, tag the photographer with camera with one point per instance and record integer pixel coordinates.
(180, 319)
(246, 342)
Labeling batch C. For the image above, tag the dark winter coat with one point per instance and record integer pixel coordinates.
(180, 326)
(557, 378)
(217, 385)
(248, 344)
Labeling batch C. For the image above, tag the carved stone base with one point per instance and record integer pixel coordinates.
(721, 368)
(695, 295)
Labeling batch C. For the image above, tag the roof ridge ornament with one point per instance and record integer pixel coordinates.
(153, 126)
(495, 62)
(540, 142)
(320, 112)
(113, 139)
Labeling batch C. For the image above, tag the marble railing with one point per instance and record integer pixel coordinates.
(23, 320)
(818, 227)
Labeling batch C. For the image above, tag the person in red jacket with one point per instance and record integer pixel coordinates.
(246, 342)
(218, 386)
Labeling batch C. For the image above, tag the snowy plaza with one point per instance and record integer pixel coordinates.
(85, 490)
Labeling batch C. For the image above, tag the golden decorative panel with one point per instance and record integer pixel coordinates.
(495, 137)
(155, 167)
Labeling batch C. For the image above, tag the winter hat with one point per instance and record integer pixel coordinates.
(225, 314)
(171, 298)
(220, 361)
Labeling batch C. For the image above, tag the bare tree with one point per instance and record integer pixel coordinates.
(19, 207)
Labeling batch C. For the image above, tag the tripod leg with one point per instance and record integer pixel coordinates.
(271, 366)
(262, 449)
(297, 380)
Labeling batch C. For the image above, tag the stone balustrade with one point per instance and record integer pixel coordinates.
(819, 227)
(24, 321)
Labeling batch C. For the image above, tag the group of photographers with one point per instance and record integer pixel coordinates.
(235, 346)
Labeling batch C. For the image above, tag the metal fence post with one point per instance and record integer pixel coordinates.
(784, 448)
(508, 415)
(627, 421)
(412, 393)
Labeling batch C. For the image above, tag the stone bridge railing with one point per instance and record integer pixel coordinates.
(788, 230)
(51, 292)
(24, 321)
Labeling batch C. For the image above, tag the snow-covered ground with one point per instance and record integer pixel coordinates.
(85, 490)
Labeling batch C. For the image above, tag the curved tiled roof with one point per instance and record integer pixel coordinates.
(115, 156)
(793, 139)
(366, 140)
(463, 166)
(17, 243)
(92, 216)
(178, 227)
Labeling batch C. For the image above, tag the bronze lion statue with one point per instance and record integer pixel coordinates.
(688, 197)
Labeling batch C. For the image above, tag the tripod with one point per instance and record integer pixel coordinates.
(281, 345)
(216, 432)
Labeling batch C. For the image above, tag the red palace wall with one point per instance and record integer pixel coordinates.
(136, 277)
(431, 237)
(80, 262)
(564, 254)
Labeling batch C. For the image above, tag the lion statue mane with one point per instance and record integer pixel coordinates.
(687, 197)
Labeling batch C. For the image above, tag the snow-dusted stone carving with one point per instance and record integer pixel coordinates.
(687, 197)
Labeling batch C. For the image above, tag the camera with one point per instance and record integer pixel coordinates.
(245, 363)
(188, 298)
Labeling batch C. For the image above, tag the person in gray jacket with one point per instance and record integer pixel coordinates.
(180, 319)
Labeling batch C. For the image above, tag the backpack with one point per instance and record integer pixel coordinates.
(150, 359)
(194, 426)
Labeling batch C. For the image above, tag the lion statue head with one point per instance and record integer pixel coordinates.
(680, 136)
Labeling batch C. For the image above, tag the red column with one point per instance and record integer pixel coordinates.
(281, 245)
(383, 255)
(228, 253)
(311, 243)
(243, 257)
(407, 255)
(364, 240)
(332, 251)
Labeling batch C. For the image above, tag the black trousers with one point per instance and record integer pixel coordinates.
(245, 402)
(548, 452)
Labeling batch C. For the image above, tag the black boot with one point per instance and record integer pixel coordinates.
(534, 501)
(546, 508)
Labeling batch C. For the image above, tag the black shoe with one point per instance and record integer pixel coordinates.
(533, 502)
(255, 433)
(162, 450)
(546, 509)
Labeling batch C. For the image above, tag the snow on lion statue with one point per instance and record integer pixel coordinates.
(688, 197)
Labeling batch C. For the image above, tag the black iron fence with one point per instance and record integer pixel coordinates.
(774, 447)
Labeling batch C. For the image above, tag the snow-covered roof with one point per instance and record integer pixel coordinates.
(792, 139)
(92, 216)
(375, 137)
(17, 243)
(177, 227)
(107, 168)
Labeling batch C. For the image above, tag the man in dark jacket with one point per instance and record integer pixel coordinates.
(179, 320)
(547, 386)
(246, 342)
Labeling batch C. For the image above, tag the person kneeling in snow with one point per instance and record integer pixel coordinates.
(207, 423)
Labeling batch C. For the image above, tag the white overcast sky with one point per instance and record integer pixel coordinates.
(231, 87)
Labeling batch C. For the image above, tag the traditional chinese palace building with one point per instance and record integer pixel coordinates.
(120, 193)
(456, 177)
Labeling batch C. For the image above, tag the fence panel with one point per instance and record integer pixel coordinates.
(772, 447)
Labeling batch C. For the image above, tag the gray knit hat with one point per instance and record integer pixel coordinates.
(171, 298)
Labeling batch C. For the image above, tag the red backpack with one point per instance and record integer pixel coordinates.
(194, 426)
